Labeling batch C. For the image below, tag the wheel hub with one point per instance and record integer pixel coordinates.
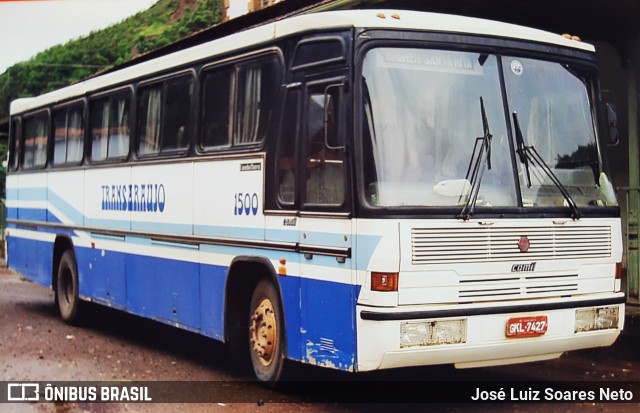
(263, 332)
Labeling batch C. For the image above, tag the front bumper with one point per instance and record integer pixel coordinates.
(485, 343)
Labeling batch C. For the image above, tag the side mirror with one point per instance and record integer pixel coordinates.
(612, 123)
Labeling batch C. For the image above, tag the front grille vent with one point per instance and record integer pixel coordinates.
(495, 244)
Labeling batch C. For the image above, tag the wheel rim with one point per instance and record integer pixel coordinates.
(264, 332)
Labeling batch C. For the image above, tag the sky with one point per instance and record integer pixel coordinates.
(28, 27)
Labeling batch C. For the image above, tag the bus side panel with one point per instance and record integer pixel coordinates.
(161, 198)
(213, 279)
(11, 194)
(32, 197)
(107, 203)
(101, 273)
(229, 197)
(29, 256)
(290, 290)
(65, 198)
(14, 258)
(163, 288)
(16, 253)
(328, 323)
(44, 262)
(31, 250)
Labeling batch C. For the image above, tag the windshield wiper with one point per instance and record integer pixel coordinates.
(529, 154)
(480, 159)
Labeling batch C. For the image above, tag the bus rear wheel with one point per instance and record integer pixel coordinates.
(266, 334)
(67, 289)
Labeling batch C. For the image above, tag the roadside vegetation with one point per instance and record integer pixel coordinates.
(165, 22)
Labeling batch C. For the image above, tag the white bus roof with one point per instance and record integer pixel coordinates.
(385, 19)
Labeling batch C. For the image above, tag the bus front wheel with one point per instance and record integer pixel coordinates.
(67, 289)
(266, 333)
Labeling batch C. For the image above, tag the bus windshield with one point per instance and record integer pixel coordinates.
(424, 126)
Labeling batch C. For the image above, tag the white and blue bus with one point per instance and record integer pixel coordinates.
(360, 190)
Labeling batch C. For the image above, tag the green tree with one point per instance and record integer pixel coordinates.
(62, 65)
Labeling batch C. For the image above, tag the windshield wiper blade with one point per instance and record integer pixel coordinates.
(480, 160)
(521, 151)
(529, 154)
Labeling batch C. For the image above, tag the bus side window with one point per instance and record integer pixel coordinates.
(325, 160)
(149, 120)
(110, 133)
(175, 123)
(257, 90)
(163, 116)
(36, 133)
(217, 103)
(238, 102)
(68, 130)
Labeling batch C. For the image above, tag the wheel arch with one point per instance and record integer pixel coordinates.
(61, 244)
(244, 274)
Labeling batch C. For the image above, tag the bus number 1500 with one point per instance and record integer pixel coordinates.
(245, 204)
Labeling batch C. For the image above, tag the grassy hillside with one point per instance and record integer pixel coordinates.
(163, 23)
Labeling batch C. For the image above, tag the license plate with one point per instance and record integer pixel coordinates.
(532, 326)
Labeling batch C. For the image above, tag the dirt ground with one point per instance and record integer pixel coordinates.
(35, 345)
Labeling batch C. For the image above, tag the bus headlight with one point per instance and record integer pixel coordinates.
(593, 319)
(431, 333)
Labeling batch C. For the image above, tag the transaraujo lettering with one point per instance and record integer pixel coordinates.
(133, 197)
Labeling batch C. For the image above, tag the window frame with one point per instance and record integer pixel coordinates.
(162, 82)
(313, 88)
(110, 96)
(235, 66)
(46, 113)
(289, 127)
(67, 107)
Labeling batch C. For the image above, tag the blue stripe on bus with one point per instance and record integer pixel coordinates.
(32, 194)
(11, 194)
(65, 208)
(44, 195)
(319, 315)
(12, 213)
(33, 214)
(364, 246)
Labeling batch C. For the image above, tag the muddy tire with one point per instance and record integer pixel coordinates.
(266, 334)
(68, 288)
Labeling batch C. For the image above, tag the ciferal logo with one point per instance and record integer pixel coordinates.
(17, 392)
(524, 267)
(524, 244)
